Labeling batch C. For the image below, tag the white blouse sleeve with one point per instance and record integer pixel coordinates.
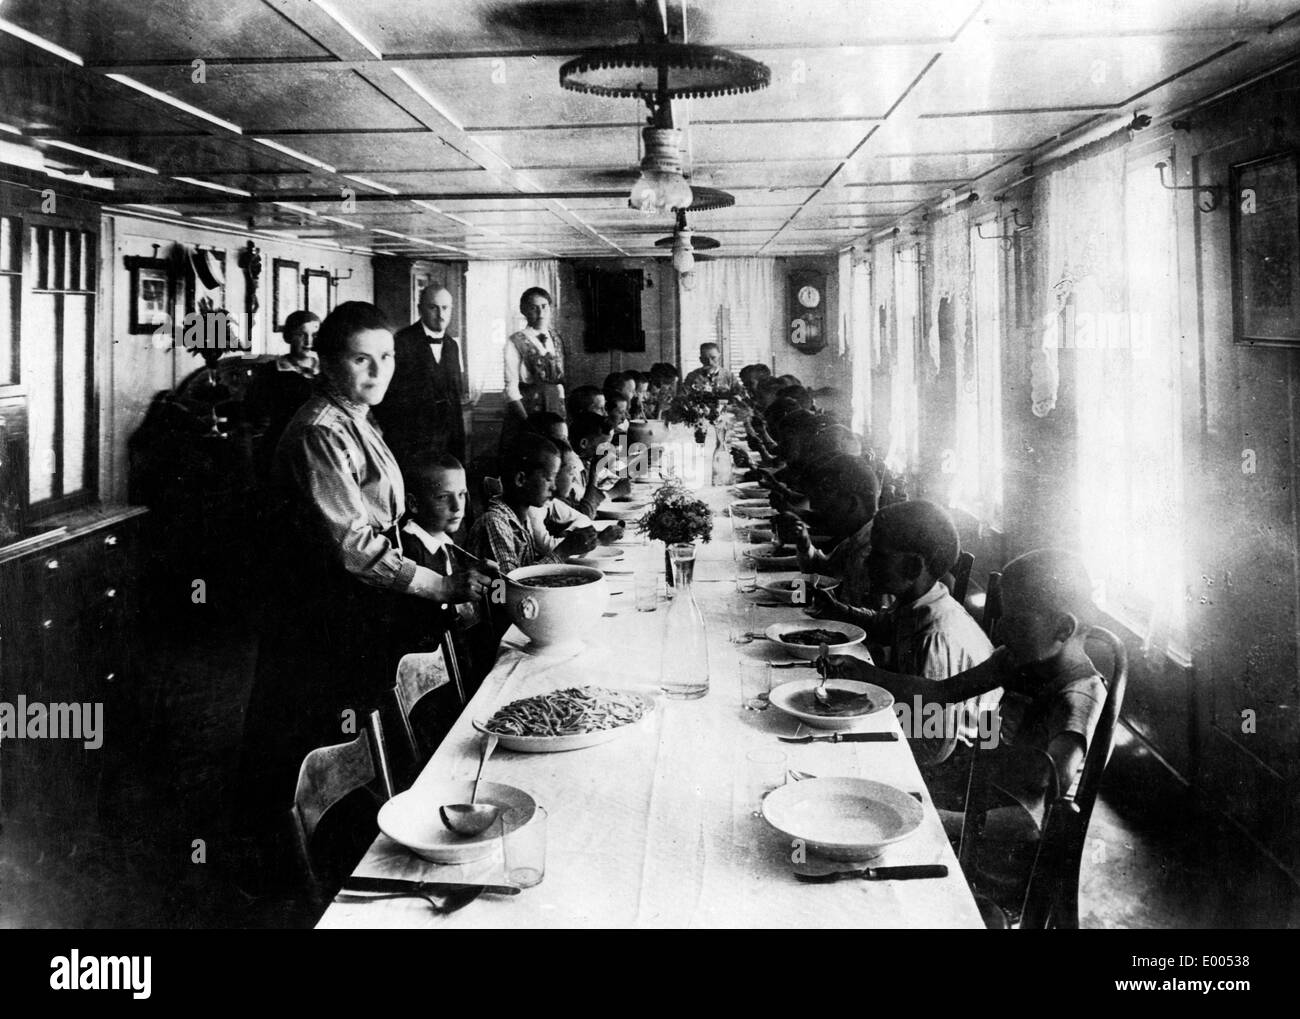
(513, 367)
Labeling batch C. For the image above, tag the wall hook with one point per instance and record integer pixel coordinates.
(1208, 195)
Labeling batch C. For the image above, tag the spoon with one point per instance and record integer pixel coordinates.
(821, 693)
(471, 818)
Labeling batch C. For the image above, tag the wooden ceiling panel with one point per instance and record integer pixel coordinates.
(580, 149)
(375, 155)
(770, 142)
(1049, 17)
(887, 168)
(974, 132)
(167, 30)
(836, 80)
(1001, 75)
(263, 100)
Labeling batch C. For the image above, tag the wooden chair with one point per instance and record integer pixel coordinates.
(419, 676)
(327, 777)
(961, 577)
(992, 604)
(1051, 895)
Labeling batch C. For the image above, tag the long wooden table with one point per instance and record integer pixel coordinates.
(657, 829)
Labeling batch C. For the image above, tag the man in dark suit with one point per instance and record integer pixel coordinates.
(422, 410)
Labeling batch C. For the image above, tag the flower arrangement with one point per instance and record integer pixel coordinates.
(677, 516)
(698, 408)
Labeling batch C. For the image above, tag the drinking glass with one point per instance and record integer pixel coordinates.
(523, 846)
(743, 623)
(755, 682)
(646, 591)
(764, 771)
(746, 575)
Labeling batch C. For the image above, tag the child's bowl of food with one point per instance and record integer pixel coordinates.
(798, 591)
(555, 605)
(774, 557)
(804, 641)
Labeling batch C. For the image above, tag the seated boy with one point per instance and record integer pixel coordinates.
(1052, 694)
(585, 400)
(503, 534)
(925, 632)
(844, 493)
(617, 411)
(598, 479)
(549, 424)
(437, 499)
(565, 511)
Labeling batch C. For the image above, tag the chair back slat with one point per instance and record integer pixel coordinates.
(961, 576)
(992, 604)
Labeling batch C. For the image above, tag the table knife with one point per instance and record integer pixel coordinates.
(879, 873)
(392, 884)
(844, 737)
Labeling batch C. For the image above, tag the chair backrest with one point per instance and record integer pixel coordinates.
(418, 676)
(1052, 896)
(328, 775)
(961, 576)
(992, 604)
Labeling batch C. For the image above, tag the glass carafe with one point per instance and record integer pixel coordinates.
(684, 665)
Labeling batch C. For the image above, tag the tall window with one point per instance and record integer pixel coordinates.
(1111, 230)
(58, 365)
(979, 389)
(903, 420)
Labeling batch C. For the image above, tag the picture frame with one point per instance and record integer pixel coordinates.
(152, 292)
(1264, 204)
(285, 295)
(318, 294)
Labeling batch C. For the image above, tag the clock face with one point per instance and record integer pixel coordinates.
(809, 297)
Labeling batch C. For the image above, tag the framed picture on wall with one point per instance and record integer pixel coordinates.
(151, 292)
(284, 292)
(1266, 250)
(317, 291)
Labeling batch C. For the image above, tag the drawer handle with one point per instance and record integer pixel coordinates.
(111, 540)
(51, 564)
(48, 624)
(111, 593)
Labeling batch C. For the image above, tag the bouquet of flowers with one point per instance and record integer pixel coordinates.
(698, 408)
(677, 516)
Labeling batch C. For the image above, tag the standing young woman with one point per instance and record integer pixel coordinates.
(534, 365)
(329, 642)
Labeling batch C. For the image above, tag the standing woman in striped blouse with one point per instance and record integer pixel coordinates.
(339, 575)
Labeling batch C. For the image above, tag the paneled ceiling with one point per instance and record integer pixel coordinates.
(445, 121)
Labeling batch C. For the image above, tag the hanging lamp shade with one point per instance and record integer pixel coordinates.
(703, 199)
(666, 70)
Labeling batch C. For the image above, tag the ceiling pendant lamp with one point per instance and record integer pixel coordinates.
(683, 252)
(661, 188)
(657, 73)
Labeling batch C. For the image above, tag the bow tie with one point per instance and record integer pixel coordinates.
(435, 340)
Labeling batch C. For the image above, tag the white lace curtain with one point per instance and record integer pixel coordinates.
(492, 292)
(733, 305)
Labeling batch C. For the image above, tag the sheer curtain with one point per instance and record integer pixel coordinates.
(1113, 273)
(733, 305)
(492, 291)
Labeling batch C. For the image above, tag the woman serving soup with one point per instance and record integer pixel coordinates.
(330, 644)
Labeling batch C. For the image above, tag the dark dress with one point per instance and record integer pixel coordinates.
(422, 409)
(272, 399)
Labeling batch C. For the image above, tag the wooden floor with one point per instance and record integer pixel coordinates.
(1154, 860)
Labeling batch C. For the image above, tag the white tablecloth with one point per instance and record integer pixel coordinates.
(657, 828)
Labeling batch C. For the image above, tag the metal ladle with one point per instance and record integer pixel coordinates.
(472, 818)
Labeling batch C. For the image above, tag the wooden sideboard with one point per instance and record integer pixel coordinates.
(69, 619)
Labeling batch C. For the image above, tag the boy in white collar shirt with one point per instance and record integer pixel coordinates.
(437, 497)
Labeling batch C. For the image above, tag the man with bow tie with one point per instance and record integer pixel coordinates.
(422, 411)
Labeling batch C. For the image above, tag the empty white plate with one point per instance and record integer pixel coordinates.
(843, 818)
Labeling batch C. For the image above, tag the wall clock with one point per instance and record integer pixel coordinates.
(806, 317)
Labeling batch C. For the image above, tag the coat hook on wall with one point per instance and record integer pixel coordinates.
(1208, 195)
(336, 280)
